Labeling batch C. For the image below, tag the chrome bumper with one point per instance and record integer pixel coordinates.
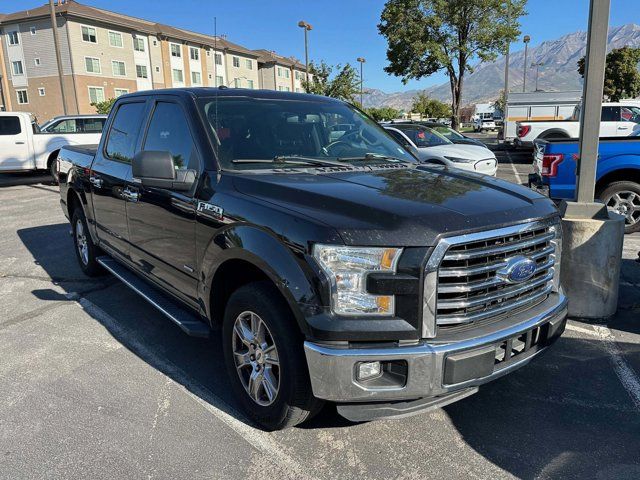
(333, 369)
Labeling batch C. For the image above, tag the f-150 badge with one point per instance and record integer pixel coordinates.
(213, 210)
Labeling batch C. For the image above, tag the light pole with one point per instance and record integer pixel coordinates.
(537, 65)
(526, 41)
(361, 60)
(306, 27)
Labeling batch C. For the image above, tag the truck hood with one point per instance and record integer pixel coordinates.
(398, 207)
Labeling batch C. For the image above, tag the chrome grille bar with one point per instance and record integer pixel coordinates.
(467, 271)
(487, 251)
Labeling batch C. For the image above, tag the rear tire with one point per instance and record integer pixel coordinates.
(263, 353)
(53, 170)
(86, 250)
(624, 198)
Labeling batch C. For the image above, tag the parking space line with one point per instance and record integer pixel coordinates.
(513, 167)
(259, 440)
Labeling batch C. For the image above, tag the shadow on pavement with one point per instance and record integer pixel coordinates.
(24, 178)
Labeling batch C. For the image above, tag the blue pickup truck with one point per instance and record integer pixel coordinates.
(617, 176)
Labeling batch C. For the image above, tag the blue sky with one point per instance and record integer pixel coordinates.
(342, 29)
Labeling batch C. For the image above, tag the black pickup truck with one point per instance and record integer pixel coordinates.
(339, 268)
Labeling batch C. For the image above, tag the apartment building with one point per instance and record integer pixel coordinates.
(105, 54)
(285, 74)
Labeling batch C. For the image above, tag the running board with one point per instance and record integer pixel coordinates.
(187, 321)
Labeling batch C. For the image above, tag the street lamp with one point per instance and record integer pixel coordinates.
(537, 65)
(306, 27)
(526, 41)
(361, 60)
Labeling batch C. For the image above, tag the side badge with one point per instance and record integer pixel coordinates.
(213, 210)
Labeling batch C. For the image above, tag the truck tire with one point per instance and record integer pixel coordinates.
(52, 166)
(624, 198)
(86, 250)
(263, 352)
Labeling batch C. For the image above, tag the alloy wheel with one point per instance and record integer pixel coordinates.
(626, 203)
(81, 242)
(256, 358)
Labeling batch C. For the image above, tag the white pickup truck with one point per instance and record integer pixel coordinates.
(23, 147)
(618, 120)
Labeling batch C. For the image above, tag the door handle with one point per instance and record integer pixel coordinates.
(95, 181)
(19, 143)
(623, 128)
(130, 195)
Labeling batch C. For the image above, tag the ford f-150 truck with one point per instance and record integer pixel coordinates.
(339, 268)
(618, 120)
(617, 173)
(23, 147)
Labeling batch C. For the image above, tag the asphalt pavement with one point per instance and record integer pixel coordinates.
(96, 384)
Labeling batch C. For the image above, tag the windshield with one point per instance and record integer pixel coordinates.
(246, 129)
(424, 136)
(448, 132)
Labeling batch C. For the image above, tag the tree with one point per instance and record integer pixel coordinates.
(621, 77)
(345, 84)
(103, 107)
(383, 113)
(427, 36)
(430, 107)
(501, 102)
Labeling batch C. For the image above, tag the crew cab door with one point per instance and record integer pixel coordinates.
(609, 122)
(110, 172)
(15, 147)
(162, 221)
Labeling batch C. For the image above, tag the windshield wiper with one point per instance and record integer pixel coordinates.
(290, 160)
(372, 156)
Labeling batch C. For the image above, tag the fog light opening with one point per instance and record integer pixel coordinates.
(368, 370)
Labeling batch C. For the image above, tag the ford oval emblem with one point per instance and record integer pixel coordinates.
(518, 269)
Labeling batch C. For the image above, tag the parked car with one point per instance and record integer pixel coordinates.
(74, 124)
(339, 270)
(431, 147)
(452, 135)
(617, 120)
(23, 147)
(617, 173)
(484, 122)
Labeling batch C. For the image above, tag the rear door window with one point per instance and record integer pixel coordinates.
(92, 125)
(123, 134)
(10, 126)
(610, 114)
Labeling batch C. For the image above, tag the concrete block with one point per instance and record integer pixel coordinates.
(591, 258)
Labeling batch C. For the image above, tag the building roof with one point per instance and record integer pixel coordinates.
(72, 8)
(269, 56)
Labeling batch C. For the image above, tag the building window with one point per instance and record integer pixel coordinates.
(279, 70)
(16, 67)
(155, 43)
(237, 82)
(141, 71)
(236, 62)
(32, 30)
(96, 94)
(175, 50)
(196, 78)
(249, 64)
(297, 75)
(14, 39)
(208, 52)
(157, 69)
(36, 61)
(219, 80)
(249, 83)
(194, 53)
(23, 98)
(138, 44)
(115, 39)
(118, 68)
(92, 65)
(286, 72)
(118, 92)
(89, 35)
(177, 75)
(218, 57)
(41, 91)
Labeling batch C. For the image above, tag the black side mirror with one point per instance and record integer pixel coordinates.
(157, 169)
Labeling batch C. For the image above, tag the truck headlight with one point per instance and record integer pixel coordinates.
(557, 243)
(459, 160)
(347, 269)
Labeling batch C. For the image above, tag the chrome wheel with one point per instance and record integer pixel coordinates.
(81, 242)
(256, 358)
(626, 203)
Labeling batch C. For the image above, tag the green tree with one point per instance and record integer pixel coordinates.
(103, 107)
(501, 102)
(621, 77)
(427, 36)
(345, 84)
(383, 113)
(430, 107)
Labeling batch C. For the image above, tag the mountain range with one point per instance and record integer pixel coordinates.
(558, 71)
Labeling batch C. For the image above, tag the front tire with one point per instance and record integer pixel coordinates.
(624, 198)
(53, 170)
(86, 250)
(263, 353)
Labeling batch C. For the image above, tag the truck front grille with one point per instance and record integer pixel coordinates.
(469, 287)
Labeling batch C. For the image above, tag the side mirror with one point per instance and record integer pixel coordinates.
(157, 169)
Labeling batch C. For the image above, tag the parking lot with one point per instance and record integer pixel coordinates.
(96, 384)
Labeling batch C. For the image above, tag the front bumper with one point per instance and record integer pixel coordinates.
(443, 372)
